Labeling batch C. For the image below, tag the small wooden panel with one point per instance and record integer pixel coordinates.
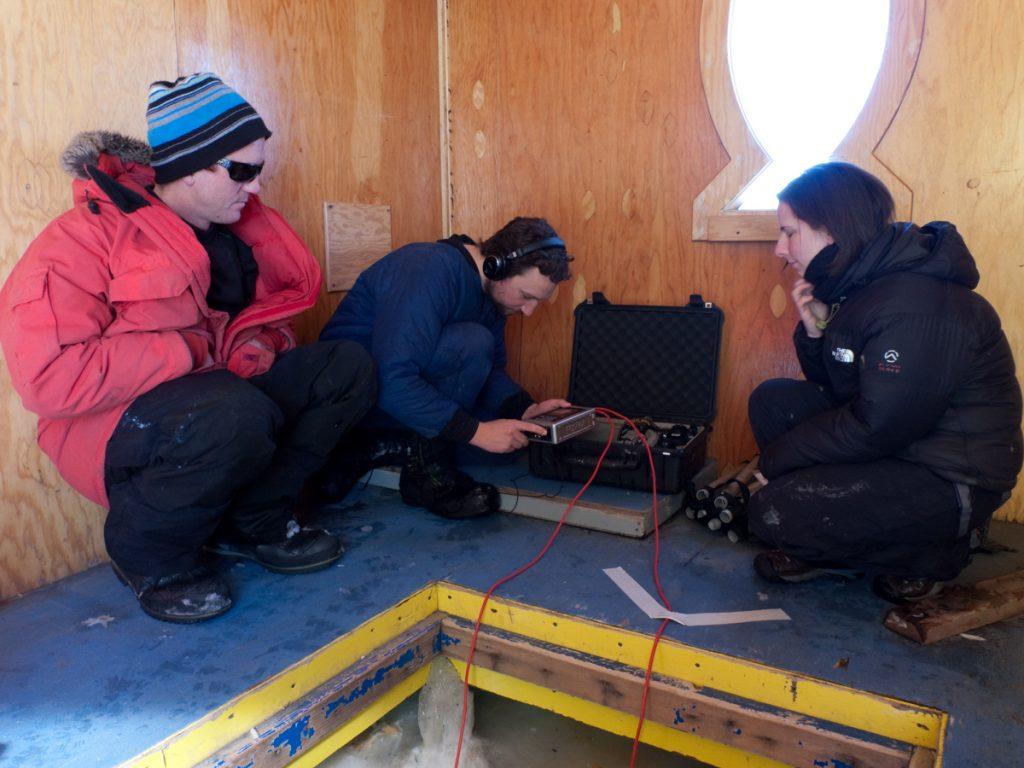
(959, 608)
(675, 703)
(355, 236)
(756, 226)
(276, 742)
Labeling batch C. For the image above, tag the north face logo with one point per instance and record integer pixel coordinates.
(843, 355)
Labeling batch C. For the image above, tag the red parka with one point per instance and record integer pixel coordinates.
(98, 310)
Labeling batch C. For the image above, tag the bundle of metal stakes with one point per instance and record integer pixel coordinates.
(721, 505)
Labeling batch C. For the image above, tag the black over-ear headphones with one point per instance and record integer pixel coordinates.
(497, 267)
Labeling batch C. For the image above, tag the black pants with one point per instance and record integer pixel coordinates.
(214, 449)
(888, 516)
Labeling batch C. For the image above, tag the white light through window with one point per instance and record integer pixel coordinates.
(802, 70)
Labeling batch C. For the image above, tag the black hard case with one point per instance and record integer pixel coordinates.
(641, 361)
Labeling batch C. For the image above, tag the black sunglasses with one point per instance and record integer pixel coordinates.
(240, 172)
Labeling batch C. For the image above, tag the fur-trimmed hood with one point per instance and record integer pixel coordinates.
(85, 149)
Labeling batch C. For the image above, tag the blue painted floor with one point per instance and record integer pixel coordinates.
(81, 690)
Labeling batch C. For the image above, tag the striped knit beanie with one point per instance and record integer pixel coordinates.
(196, 121)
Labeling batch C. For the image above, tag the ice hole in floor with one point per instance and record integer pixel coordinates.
(423, 731)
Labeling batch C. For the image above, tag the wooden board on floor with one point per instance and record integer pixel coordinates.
(785, 737)
(275, 743)
(960, 608)
(626, 513)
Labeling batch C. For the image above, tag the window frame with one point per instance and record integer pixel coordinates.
(716, 216)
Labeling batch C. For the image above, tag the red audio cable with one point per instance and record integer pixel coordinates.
(608, 414)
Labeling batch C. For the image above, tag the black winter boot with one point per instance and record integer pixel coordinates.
(302, 550)
(430, 479)
(194, 595)
(360, 452)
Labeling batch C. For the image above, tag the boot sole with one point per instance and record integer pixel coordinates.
(170, 618)
(293, 569)
(772, 576)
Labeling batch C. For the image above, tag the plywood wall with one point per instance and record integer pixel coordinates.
(958, 142)
(349, 89)
(590, 113)
(58, 78)
(593, 115)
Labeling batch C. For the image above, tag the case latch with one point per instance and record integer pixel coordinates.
(696, 300)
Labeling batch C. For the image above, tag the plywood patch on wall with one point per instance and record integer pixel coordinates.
(355, 236)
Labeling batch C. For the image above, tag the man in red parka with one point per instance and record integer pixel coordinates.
(149, 328)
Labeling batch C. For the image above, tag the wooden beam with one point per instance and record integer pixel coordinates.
(624, 521)
(279, 740)
(786, 737)
(959, 608)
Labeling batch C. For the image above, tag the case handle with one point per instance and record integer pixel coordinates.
(614, 465)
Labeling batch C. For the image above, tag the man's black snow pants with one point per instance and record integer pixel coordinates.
(215, 450)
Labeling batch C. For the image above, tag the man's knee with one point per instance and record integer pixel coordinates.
(465, 351)
(229, 423)
(471, 340)
(349, 372)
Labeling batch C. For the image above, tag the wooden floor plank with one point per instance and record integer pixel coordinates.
(960, 608)
(786, 738)
(276, 742)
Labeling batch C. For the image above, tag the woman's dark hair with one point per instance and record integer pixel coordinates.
(553, 262)
(846, 201)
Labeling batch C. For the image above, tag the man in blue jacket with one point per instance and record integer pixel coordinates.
(432, 315)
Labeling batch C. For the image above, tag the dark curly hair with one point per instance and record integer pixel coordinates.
(553, 263)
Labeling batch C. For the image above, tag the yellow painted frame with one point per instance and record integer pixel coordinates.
(248, 710)
(612, 720)
(882, 715)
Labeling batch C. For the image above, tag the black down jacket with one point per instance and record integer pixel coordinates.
(918, 363)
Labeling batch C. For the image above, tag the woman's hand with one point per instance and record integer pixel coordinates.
(811, 310)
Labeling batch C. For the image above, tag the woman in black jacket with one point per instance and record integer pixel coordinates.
(906, 435)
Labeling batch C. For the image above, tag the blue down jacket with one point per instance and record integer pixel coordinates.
(397, 309)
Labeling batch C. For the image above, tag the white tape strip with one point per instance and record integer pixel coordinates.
(655, 610)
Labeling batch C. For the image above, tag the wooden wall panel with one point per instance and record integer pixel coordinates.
(58, 77)
(350, 90)
(958, 142)
(592, 114)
